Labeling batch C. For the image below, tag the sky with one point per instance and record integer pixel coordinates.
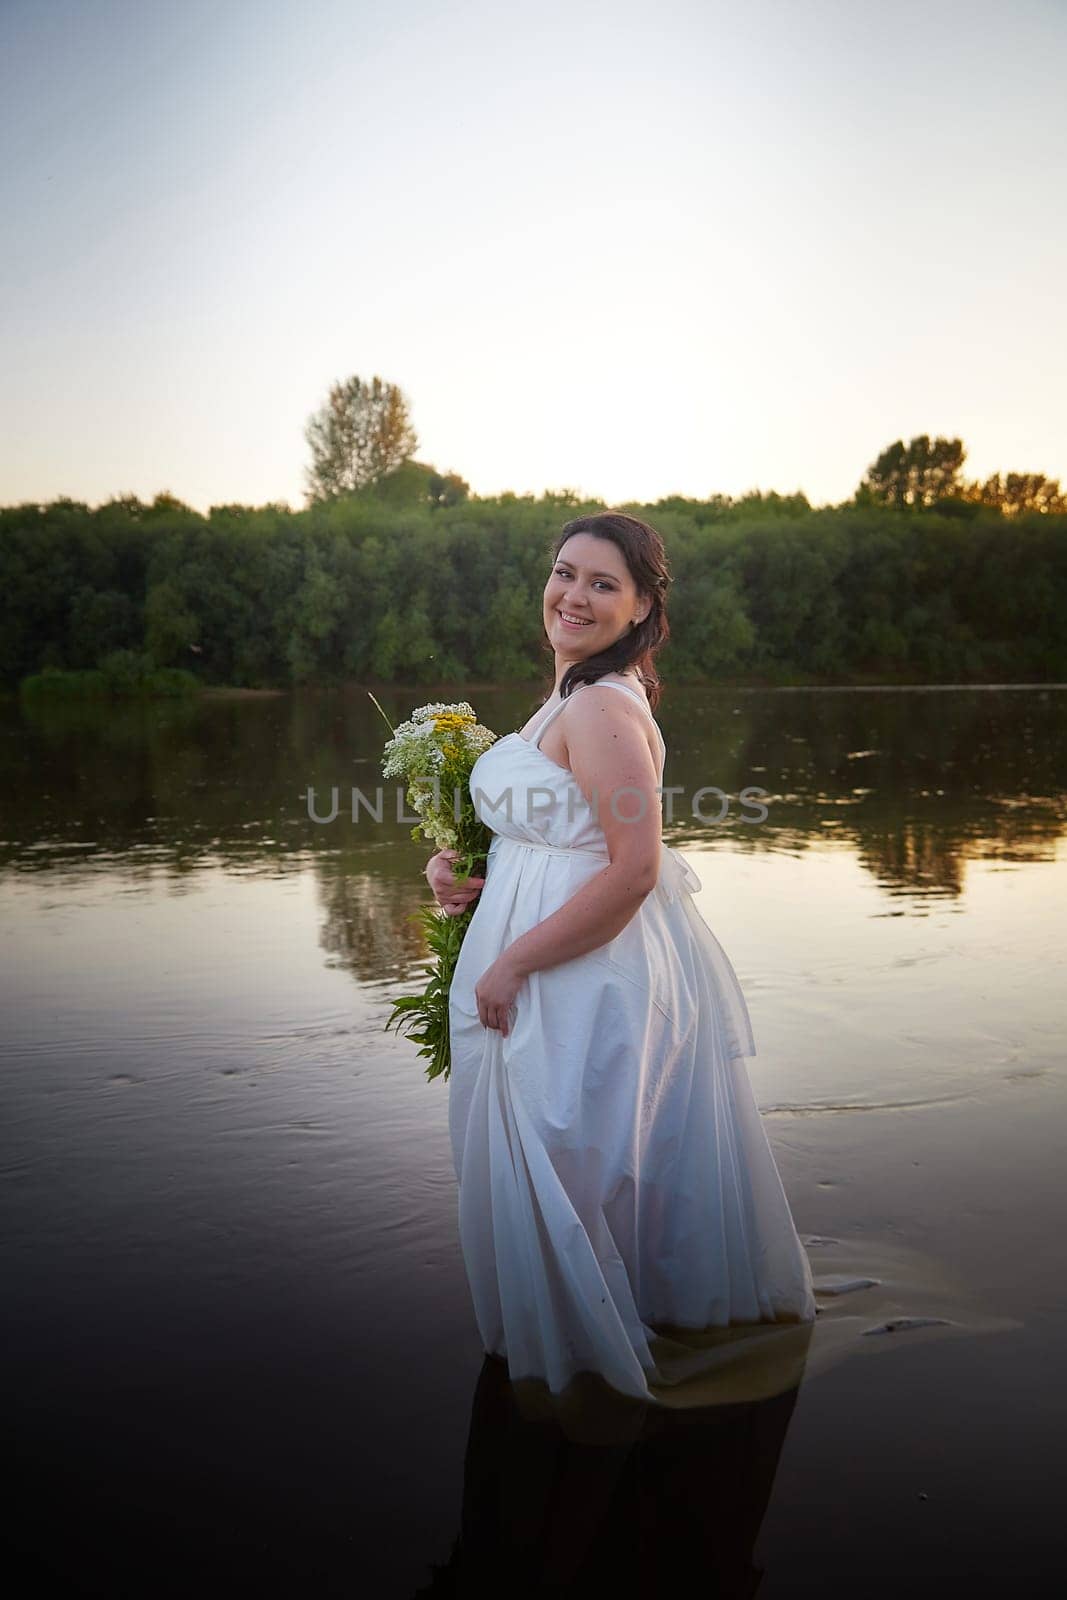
(623, 249)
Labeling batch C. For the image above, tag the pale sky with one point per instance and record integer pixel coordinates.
(627, 249)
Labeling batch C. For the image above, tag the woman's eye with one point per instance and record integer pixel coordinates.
(562, 572)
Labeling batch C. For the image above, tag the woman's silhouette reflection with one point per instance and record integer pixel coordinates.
(650, 1495)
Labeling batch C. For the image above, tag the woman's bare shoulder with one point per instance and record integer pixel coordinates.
(599, 705)
(628, 681)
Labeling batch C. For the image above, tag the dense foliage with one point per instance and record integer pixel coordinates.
(374, 588)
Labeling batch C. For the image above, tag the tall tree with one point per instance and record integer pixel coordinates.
(362, 432)
(916, 474)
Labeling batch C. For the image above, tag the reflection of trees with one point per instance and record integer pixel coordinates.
(918, 855)
(368, 923)
(913, 857)
(915, 781)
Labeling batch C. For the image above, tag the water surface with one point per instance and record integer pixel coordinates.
(238, 1329)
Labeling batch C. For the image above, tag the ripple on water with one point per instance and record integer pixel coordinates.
(902, 1290)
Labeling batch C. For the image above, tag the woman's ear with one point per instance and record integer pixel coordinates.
(644, 606)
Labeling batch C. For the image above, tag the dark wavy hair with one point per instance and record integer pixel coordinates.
(642, 550)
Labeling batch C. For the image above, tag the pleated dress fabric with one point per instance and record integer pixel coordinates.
(614, 1172)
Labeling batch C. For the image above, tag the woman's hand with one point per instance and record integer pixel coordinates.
(495, 992)
(451, 896)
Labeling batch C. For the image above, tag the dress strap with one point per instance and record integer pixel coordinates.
(641, 701)
(552, 715)
(609, 683)
(605, 683)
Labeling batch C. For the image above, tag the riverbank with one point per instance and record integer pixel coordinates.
(167, 683)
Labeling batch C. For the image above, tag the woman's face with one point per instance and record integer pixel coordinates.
(590, 598)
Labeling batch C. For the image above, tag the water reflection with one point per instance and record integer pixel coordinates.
(915, 782)
(235, 1292)
(677, 1504)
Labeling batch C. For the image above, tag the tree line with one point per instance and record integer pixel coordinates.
(385, 584)
(362, 436)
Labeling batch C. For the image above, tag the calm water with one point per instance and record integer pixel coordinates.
(240, 1349)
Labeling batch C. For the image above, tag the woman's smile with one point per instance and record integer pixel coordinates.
(589, 590)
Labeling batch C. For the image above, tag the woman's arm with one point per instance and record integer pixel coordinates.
(594, 916)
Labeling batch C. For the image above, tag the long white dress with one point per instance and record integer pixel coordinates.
(614, 1172)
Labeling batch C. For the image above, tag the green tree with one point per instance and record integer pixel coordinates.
(760, 503)
(389, 586)
(1017, 492)
(100, 621)
(362, 432)
(916, 474)
(710, 630)
(418, 483)
(447, 490)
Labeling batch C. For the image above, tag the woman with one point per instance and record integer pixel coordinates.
(615, 1178)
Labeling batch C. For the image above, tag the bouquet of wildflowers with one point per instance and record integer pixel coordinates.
(434, 753)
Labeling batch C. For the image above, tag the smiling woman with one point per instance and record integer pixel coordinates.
(616, 1184)
(605, 603)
